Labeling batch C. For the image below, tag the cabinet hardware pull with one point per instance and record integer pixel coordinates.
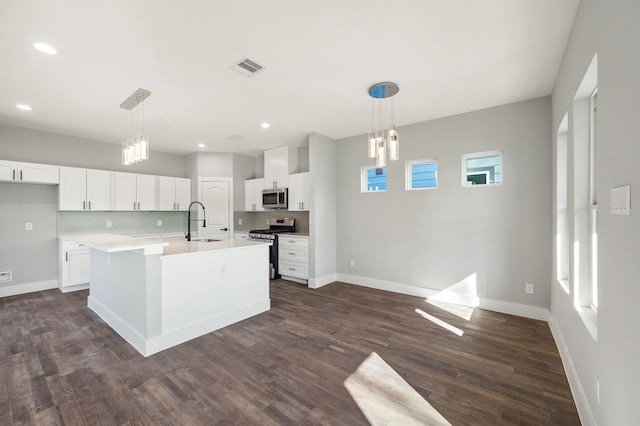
(14, 174)
(138, 205)
(84, 205)
(66, 256)
(89, 205)
(134, 205)
(292, 254)
(20, 174)
(292, 269)
(177, 206)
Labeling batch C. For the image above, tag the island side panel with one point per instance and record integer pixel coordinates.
(119, 294)
(205, 291)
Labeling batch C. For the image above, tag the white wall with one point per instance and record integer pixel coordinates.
(432, 239)
(611, 30)
(322, 214)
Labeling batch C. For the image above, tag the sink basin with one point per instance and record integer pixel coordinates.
(205, 240)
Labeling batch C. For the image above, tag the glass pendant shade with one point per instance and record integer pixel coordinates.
(136, 146)
(144, 147)
(381, 155)
(372, 145)
(394, 144)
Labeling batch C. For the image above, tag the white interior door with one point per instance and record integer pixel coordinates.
(215, 197)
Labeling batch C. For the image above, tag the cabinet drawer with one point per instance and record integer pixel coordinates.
(297, 254)
(294, 269)
(286, 240)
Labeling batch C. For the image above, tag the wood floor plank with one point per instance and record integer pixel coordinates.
(61, 364)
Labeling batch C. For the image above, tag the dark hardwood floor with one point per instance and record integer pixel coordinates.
(60, 364)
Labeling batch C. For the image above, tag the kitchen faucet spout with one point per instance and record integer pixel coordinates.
(204, 219)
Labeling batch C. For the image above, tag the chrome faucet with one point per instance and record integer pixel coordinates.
(204, 219)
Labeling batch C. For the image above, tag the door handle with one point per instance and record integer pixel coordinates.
(224, 229)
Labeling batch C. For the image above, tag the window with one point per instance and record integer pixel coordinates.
(374, 179)
(482, 168)
(584, 275)
(421, 174)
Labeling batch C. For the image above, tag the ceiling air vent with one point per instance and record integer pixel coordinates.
(247, 67)
(236, 138)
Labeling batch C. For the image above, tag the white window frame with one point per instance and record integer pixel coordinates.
(593, 191)
(464, 174)
(408, 174)
(363, 180)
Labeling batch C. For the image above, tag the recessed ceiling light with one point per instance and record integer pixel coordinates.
(201, 145)
(24, 107)
(45, 48)
(265, 125)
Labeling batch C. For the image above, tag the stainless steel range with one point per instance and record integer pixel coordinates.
(270, 235)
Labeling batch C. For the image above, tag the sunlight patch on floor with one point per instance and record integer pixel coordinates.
(385, 398)
(437, 321)
(458, 299)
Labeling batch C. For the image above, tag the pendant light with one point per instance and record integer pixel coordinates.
(135, 147)
(384, 138)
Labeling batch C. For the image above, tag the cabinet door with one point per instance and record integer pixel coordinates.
(124, 187)
(72, 193)
(146, 192)
(77, 271)
(8, 170)
(295, 192)
(306, 192)
(166, 193)
(98, 190)
(272, 158)
(183, 193)
(253, 195)
(38, 173)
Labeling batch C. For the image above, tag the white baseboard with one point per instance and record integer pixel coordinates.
(322, 281)
(579, 396)
(150, 345)
(15, 289)
(527, 311)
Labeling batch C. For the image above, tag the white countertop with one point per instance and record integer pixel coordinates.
(164, 245)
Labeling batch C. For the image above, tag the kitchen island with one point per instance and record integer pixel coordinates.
(160, 292)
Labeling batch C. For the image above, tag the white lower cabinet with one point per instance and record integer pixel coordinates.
(74, 266)
(293, 258)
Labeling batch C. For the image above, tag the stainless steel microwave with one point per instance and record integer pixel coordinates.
(274, 198)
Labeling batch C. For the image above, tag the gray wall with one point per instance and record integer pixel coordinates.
(435, 238)
(611, 29)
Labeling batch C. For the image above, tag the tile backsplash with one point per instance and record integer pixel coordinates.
(128, 223)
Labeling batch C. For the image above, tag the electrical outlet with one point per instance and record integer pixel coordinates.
(28, 226)
(352, 263)
(159, 222)
(597, 388)
(6, 277)
(529, 288)
(239, 221)
(108, 224)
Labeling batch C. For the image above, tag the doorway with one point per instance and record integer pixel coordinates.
(217, 203)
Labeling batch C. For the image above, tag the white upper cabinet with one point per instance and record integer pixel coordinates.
(133, 191)
(279, 163)
(84, 189)
(299, 192)
(253, 195)
(16, 171)
(173, 193)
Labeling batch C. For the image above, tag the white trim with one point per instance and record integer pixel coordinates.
(484, 154)
(518, 309)
(579, 396)
(364, 179)
(322, 281)
(232, 219)
(15, 289)
(408, 169)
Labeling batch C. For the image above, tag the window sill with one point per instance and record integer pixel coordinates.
(590, 320)
(565, 285)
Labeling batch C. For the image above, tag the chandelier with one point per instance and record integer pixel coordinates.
(383, 138)
(135, 147)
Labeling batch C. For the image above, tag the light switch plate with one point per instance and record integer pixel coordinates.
(621, 200)
(28, 226)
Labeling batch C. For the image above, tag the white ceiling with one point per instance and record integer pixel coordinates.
(320, 57)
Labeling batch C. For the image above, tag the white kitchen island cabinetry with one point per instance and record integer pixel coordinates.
(279, 163)
(253, 195)
(173, 193)
(299, 192)
(133, 191)
(293, 258)
(16, 171)
(74, 266)
(84, 189)
(158, 293)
